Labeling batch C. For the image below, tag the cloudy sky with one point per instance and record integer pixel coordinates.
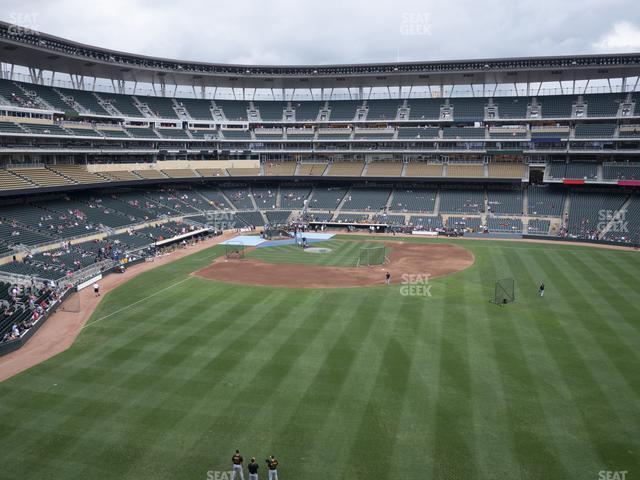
(337, 31)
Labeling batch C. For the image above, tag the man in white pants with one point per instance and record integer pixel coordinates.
(541, 290)
(272, 465)
(236, 466)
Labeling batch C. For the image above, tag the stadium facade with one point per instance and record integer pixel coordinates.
(85, 155)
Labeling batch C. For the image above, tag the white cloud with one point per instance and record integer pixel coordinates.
(625, 37)
(337, 31)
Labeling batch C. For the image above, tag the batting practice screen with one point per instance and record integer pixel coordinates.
(372, 256)
(505, 291)
(234, 250)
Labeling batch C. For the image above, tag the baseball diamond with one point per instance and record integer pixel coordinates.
(291, 269)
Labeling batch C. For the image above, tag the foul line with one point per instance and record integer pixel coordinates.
(135, 303)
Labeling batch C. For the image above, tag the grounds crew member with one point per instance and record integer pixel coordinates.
(272, 465)
(253, 469)
(236, 466)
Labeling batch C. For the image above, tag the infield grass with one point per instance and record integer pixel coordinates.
(174, 372)
(344, 253)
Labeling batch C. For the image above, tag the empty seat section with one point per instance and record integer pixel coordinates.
(265, 197)
(504, 201)
(279, 168)
(234, 110)
(199, 109)
(383, 109)
(545, 200)
(161, 107)
(344, 109)
(270, 111)
(507, 170)
(413, 200)
(466, 170)
(556, 106)
(423, 169)
(307, 111)
(603, 104)
(77, 173)
(86, 99)
(461, 201)
(417, 133)
(384, 169)
(294, 197)
(123, 103)
(346, 169)
(324, 198)
(596, 130)
(368, 199)
(468, 109)
(311, 169)
(424, 109)
(512, 107)
(42, 177)
(179, 173)
(9, 181)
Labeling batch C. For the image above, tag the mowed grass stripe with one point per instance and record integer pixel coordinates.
(610, 340)
(307, 426)
(606, 430)
(547, 362)
(593, 334)
(495, 457)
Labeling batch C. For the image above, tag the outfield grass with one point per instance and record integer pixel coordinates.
(344, 253)
(174, 372)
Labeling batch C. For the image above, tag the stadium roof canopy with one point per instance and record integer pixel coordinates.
(37, 50)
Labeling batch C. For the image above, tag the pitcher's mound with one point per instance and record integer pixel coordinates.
(434, 260)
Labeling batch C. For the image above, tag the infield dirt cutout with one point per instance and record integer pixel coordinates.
(434, 260)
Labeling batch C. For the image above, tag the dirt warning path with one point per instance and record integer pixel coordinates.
(434, 260)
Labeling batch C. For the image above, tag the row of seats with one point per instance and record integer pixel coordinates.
(63, 175)
(582, 131)
(462, 108)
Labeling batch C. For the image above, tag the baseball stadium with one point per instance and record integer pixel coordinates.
(421, 270)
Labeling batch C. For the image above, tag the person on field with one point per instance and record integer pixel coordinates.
(541, 290)
(96, 289)
(272, 465)
(236, 466)
(387, 278)
(253, 469)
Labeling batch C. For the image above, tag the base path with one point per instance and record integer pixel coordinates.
(61, 329)
(434, 260)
